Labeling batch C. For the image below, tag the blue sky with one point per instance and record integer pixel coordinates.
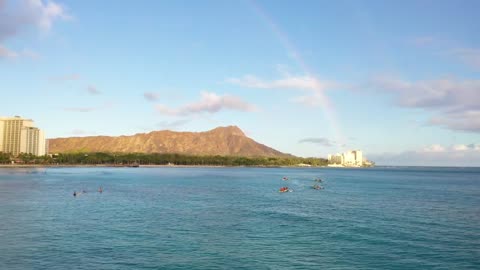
(399, 80)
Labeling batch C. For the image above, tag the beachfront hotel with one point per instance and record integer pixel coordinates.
(19, 135)
(353, 158)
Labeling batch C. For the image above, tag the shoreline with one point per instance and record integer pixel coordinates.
(140, 166)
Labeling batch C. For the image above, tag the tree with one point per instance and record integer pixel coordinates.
(4, 158)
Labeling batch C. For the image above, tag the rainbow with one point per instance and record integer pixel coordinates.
(325, 103)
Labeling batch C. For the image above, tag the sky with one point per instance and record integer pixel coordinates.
(399, 80)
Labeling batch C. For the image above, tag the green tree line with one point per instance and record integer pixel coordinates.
(158, 159)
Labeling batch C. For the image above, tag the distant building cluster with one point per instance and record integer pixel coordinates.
(353, 158)
(19, 135)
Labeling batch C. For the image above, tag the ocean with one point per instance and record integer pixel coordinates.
(235, 218)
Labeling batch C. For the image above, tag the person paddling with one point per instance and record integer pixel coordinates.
(74, 194)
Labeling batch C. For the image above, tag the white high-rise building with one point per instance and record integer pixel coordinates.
(18, 135)
(2, 124)
(32, 141)
(349, 158)
(358, 158)
(352, 158)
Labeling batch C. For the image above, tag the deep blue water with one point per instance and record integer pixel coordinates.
(235, 218)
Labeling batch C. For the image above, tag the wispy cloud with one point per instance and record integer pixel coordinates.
(92, 90)
(208, 103)
(80, 109)
(151, 96)
(314, 99)
(423, 41)
(302, 82)
(450, 92)
(106, 105)
(454, 101)
(450, 49)
(469, 56)
(433, 155)
(30, 54)
(7, 53)
(172, 124)
(468, 120)
(64, 78)
(78, 132)
(434, 148)
(36, 14)
(461, 147)
(313, 88)
(321, 141)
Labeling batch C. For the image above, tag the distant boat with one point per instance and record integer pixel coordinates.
(134, 165)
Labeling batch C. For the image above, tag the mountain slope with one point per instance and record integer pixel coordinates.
(228, 141)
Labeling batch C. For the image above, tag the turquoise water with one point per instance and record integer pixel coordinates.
(235, 218)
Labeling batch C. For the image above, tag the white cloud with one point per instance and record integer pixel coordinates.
(26, 14)
(78, 132)
(321, 141)
(455, 102)
(304, 82)
(313, 88)
(30, 54)
(106, 105)
(172, 124)
(449, 48)
(80, 109)
(459, 147)
(470, 56)
(150, 96)
(450, 92)
(209, 102)
(435, 148)
(473, 146)
(468, 120)
(44, 13)
(92, 90)
(7, 53)
(423, 41)
(314, 99)
(433, 155)
(16, 17)
(67, 77)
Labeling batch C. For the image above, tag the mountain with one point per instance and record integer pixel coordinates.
(225, 141)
